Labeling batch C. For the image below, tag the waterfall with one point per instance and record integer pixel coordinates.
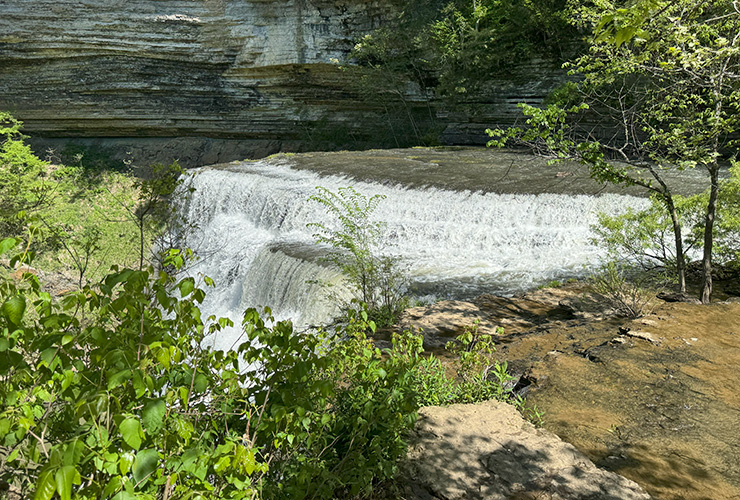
(253, 241)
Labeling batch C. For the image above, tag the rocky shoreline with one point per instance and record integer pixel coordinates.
(656, 399)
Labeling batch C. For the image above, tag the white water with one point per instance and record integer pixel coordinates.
(254, 243)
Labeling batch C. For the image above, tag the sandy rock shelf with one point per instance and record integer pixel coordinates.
(656, 400)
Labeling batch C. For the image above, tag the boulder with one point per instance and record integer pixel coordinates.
(488, 451)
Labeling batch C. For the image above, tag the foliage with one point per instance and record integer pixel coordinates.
(23, 185)
(377, 279)
(472, 39)
(84, 238)
(727, 228)
(630, 297)
(87, 238)
(452, 47)
(481, 377)
(431, 385)
(644, 237)
(111, 394)
(662, 80)
(155, 216)
(337, 409)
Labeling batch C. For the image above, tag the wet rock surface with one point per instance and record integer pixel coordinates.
(656, 399)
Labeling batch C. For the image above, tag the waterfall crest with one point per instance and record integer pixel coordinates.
(253, 240)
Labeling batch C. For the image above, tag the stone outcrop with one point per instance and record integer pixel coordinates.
(217, 71)
(209, 81)
(487, 451)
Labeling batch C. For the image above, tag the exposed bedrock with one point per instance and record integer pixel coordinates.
(239, 77)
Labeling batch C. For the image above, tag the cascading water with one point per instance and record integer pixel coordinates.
(253, 240)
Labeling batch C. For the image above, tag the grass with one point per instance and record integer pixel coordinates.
(88, 224)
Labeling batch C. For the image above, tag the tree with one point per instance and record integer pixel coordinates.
(661, 91)
(376, 279)
(23, 186)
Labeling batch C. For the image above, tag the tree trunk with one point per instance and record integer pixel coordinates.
(680, 260)
(706, 293)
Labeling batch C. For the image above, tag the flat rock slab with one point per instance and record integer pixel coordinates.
(488, 451)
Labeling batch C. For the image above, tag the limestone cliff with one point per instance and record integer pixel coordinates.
(202, 80)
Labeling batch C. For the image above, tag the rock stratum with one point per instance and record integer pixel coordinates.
(215, 80)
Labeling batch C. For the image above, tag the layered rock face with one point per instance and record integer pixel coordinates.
(224, 69)
(200, 80)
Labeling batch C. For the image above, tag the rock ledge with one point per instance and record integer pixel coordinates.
(488, 451)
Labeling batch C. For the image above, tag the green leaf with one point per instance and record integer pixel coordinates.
(13, 309)
(118, 378)
(124, 495)
(201, 383)
(187, 286)
(45, 486)
(11, 359)
(131, 432)
(153, 415)
(222, 464)
(250, 463)
(8, 244)
(65, 477)
(145, 464)
(113, 279)
(125, 463)
(113, 486)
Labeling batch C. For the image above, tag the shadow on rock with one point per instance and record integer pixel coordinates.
(487, 451)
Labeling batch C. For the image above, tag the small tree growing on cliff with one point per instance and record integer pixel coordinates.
(665, 87)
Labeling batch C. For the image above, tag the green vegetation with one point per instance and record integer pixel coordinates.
(84, 218)
(453, 47)
(661, 79)
(376, 279)
(446, 51)
(108, 390)
(643, 237)
(630, 293)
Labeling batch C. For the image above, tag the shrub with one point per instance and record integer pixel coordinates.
(377, 279)
(631, 297)
(645, 237)
(111, 394)
(481, 377)
(23, 184)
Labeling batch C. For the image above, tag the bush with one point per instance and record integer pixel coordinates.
(110, 394)
(84, 218)
(23, 182)
(630, 297)
(377, 279)
(645, 237)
